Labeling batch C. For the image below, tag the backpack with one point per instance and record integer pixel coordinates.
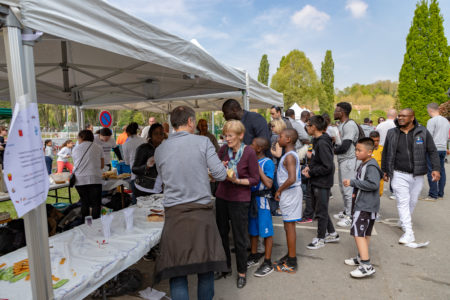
(361, 133)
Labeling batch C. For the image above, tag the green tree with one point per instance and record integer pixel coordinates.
(263, 75)
(297, 80)
(425, 73)
(327, 79)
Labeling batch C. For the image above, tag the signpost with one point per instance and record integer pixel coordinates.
(105, 118)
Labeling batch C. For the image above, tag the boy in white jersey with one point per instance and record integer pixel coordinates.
(290, 196)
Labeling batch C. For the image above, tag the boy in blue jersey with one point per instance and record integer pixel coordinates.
(260, 218)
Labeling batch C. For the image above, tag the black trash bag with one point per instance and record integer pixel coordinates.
(128, 281)
(12, 236)
(116, 201)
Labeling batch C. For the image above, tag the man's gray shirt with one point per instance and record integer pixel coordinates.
(302, 135)
(348, 131)
(183, 161)
(438, 126)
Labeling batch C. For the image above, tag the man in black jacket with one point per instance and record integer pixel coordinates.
(321, 173)
(404, 162)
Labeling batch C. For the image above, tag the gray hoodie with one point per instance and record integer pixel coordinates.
(368, 197)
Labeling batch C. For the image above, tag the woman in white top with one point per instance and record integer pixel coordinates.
(89, 161)
(48, 152)
(129, 151)
(63, 156)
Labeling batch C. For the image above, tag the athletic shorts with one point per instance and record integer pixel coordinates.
(261, 225)
(362, 223)
(291, 201)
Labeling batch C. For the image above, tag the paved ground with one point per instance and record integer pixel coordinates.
(401, 272)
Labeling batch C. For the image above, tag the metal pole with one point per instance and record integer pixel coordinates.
(212, 124)
(79, 123)
(245, 97)
(83, 122)
(21, 79)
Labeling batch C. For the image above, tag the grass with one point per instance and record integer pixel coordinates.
(8, 206)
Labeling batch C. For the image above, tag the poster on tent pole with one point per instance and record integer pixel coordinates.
(24, 170)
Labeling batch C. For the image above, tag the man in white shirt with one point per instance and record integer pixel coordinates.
(383, 127)
(439, 127)
(304, 118)
(144, 132)
(105, 140)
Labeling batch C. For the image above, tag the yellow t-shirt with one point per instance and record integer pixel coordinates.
(377, 153)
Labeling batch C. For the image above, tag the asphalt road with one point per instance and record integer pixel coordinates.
(401, 272)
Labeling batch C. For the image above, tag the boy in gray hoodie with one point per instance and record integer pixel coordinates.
(365, 206)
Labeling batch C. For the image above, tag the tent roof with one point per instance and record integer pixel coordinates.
(92, 53)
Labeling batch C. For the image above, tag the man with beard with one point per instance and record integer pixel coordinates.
(404, 160)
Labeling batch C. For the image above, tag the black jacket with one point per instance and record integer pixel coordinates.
(423, 146)
(145, 177)
(321, 167)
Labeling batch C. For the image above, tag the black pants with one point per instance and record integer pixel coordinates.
(308, 213)
(90, 196)
(237, 213)
(320, 198)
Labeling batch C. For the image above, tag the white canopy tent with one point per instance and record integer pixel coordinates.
(298, 110)
(94, 55)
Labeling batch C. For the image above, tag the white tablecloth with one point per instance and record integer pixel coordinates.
(89, 265)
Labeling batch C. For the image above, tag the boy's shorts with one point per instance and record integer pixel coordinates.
(362, 223)
(291, 201)
(261, 225)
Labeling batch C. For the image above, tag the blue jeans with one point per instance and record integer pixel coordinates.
(205, 287)
(437, 188)
(48, 163)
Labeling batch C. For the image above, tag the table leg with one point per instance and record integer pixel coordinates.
(56, 195)
(122, 197)
(70, 194)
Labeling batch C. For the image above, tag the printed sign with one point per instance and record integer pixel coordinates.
(105, 118)
(25, 172)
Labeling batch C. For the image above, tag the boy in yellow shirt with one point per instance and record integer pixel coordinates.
(377, 152)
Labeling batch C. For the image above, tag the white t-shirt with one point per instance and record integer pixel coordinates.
(129, 150)
(64, 154)
(144, 132)
(383, 128)
(438, 127)
(88, 170)
(49, 151)
(106, 146)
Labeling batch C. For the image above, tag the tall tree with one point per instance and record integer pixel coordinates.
(263, 75)
(326, 103)
(297, 80)
(425, 73)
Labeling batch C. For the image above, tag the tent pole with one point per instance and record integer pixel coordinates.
(22, 81)
(245, 95)
(83, 122)
(79, 123)
(212, 124)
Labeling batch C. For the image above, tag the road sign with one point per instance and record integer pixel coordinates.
(105, 118)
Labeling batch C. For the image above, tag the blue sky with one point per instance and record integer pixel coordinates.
(367, 37)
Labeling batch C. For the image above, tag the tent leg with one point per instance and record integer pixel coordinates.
(212, 123)
(21, 78)
(245, 97)
(83, 122)
(79, 123)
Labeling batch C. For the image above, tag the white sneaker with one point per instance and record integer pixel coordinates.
(316, 244)
(407, 237)
(379, 218)
(362, 271)
(354, 261)
(339, 216)
(392, 197)
(332, 237)
(345, 222)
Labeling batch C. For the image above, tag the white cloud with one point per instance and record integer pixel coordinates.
(310, 17)
(357, 8)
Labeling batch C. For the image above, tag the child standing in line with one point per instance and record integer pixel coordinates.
(48, 152)
(321, 172)
(377, 153)
(260, 218)
(365, 206)
(290, 195)
(63, 156)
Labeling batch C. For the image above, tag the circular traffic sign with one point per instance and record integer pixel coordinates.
(105, 118)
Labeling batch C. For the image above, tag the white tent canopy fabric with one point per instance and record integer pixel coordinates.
(93, 54)
(298, 110)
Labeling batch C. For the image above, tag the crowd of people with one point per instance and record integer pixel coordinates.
(282, 168)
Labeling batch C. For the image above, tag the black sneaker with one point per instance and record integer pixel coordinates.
(252, 260)
(281, 260)
(263, 270)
